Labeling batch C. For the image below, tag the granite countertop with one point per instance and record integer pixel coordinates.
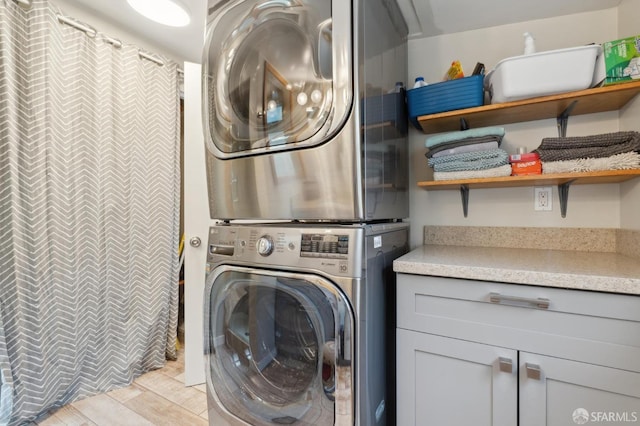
(596, 271)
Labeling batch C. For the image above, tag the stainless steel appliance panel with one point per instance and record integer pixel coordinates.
(343, 160)
(336, 283)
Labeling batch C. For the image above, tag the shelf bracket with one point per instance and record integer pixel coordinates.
(464, 194)
(563, 119)
(563, 194)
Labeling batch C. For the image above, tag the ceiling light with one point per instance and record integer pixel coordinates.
(167, 12)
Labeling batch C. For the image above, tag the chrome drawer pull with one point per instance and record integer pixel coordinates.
(540, 302)
(533, 371)
(506, 365)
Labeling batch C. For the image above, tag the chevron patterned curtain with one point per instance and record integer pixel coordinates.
(89, 212)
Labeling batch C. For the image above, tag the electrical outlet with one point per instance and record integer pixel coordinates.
(542, 198)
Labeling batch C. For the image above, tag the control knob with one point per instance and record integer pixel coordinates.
(265, 245)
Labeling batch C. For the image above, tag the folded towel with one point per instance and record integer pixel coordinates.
(624, 161)
(484, 146)
(464, 134)
(478, 160)
(595, 146)
(474, 174)
(431, 152)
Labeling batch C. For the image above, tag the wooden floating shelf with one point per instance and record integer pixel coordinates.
(599, 99)
(589, 101)
(607, 176)
(562, 180)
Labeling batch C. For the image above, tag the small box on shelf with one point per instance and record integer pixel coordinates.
(622, 60)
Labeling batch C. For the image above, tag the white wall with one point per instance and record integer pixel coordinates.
(628, 13)
(596, 206)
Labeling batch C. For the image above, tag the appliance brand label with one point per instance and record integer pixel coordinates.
(377, 241)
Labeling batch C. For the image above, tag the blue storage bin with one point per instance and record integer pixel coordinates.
(388, 108)
(383, 108)
(449, 95)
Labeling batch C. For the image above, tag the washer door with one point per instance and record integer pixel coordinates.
(279, 347)
(272, 73)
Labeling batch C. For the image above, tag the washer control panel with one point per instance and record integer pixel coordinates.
(335, 250)
(324, 246)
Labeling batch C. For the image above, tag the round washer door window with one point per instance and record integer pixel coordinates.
(275, 75)
(278, 345)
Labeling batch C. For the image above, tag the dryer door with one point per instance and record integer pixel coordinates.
(276, 74)
(280, 348)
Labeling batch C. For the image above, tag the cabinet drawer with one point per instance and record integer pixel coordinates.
(592, 327)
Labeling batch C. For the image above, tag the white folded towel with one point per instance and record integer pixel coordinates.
(504, 170)
(624, 161)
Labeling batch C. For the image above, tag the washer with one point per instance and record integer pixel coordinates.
(299, 323)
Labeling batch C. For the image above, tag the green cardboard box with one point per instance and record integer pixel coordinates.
(622, 60)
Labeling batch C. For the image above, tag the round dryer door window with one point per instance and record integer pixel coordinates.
(279, 348)
(276, 74)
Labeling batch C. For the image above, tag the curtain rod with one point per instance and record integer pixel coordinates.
(150, 57)
(92, 32)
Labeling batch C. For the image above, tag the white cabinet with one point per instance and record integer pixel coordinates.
(444, 381)
(563, 387)
(481, 353)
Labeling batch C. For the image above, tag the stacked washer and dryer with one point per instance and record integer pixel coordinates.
(307, 168)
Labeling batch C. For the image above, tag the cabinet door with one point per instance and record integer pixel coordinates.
(444, 381)
(557, 392)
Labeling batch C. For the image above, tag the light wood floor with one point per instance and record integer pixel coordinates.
(155, 398)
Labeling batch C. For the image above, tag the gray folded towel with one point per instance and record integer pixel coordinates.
(484, 146)
(478, 160)
(595, 146)
(463, 142)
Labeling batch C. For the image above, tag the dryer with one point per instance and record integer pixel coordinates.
(299, 323)
(304, 110)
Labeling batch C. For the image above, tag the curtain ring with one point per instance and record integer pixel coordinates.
(112, 41)
(86, 28)
(25, 4)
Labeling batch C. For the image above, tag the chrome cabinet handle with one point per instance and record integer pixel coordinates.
(539, 302)
(195, 242)
(533, 371)
(506, 365)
